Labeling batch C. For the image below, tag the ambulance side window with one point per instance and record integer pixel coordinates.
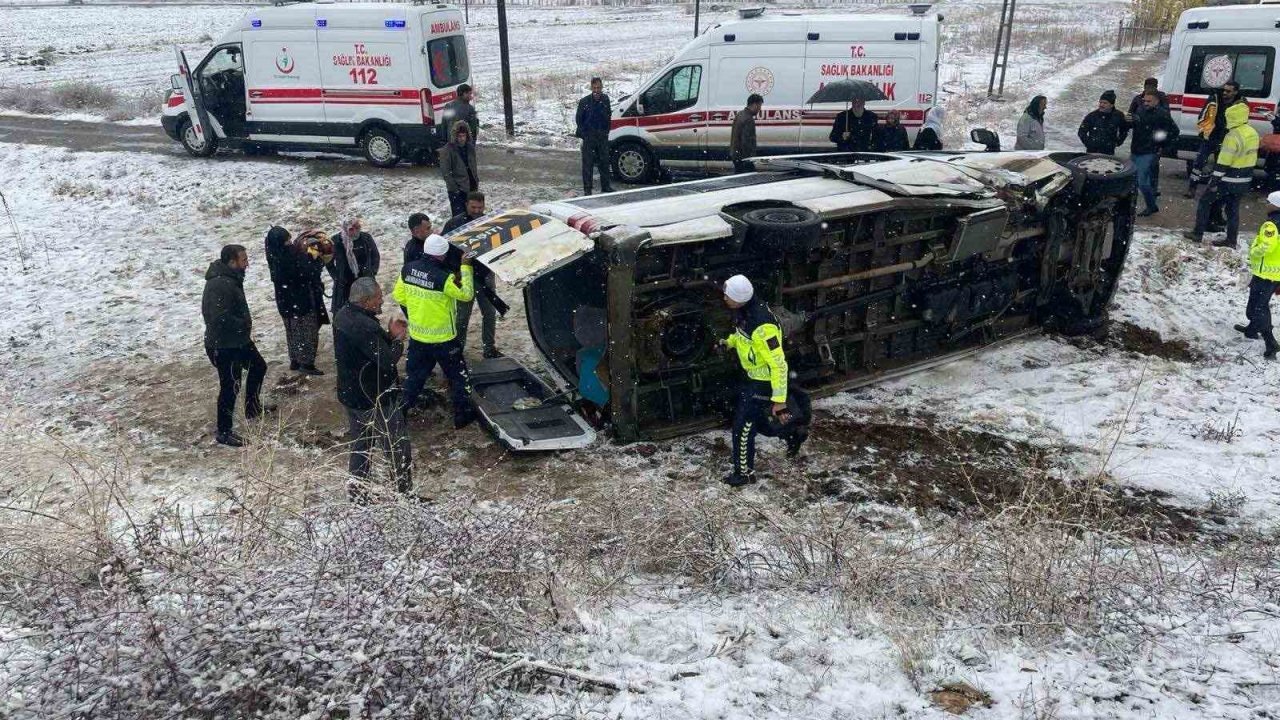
(676, 90)
(1213, 65)
(222, 76)
(447, 60)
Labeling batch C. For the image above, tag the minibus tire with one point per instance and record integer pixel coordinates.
(783, 228)
(381, 147)
(186, 135)
(632, 154)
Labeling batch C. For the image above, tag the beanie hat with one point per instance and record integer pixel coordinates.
(435, 246)
(1109, 96)
(738, 289)
(1274, 199)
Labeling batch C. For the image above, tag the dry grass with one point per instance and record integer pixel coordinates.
(82, 96)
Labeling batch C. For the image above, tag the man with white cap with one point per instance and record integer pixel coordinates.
(1264, 263)
(430, 295)
(757, 338)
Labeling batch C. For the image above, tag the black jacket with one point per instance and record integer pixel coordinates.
(862, 131)
(927, 139)
(226, 313)
(1145, 124)
(367, 357)
(593, 117)
(296, 277)
(367, 258)
(892, 138)
(1102, 132)
(458, 221)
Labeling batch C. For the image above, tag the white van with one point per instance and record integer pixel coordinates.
(364, 78)
(1212, 45)
(682, 117)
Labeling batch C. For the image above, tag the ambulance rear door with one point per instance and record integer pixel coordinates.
(883, 51)
(365, 67)
(761, 58)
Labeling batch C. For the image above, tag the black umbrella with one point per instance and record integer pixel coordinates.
(847, 91)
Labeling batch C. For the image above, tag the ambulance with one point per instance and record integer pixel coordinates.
(1212, 45)
(682, 116)
(358, 78)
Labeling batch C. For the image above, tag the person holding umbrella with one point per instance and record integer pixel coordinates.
(854, 130)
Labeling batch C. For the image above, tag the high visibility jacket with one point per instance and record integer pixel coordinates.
(1239, 153)
(430, 296)
(1264, 253)
(758, 340)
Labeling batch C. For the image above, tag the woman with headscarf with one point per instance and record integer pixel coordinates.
(930, 136)
(295, 272)
(355, 255)
(1031, 125)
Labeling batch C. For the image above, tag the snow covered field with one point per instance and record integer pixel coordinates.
(554, 51)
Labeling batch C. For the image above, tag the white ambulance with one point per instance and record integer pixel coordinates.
(368, 78)
(682, 116)
(1212, 45)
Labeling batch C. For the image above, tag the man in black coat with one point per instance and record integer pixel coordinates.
(369, 387)
(593, 120)
(1153, 129)
(854, 130)
(355, 255)
(491, 306)
(1105, 128)
(419, 230)
(228, 341)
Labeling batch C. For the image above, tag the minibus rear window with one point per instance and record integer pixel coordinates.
(447, 58)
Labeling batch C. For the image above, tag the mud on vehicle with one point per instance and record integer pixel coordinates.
(874, 264)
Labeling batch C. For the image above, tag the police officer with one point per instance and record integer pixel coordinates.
(430, 295)
(1264, 263)
(1232, 175)
(762, 399)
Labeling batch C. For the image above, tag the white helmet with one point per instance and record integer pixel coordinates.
(435, 245)
(738, 289)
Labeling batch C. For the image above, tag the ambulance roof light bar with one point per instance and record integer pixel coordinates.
(747, 13)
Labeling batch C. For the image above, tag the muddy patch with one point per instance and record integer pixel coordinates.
(1131, 338)
(926, 466)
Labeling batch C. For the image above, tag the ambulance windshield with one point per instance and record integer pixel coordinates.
(447, 57)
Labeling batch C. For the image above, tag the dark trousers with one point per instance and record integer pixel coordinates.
(422, 360)
(743, 166)
(488, 319)
(1200, 173)
(595, 155)
(231, 364)
(457, 203)
(1259, 308)
(1146, 165)
(751, 417)
(1272, 167)
(302, 335)
(382, 425)
(1222, 194)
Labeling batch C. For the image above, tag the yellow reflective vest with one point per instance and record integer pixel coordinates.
(1264, 253)
(430, 296)
(1239, 153)
(758, 340)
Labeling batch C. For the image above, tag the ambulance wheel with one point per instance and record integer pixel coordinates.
(381, 147)
(634, 164)
(195, 145)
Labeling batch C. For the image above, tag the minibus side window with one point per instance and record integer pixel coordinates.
(1213, 65)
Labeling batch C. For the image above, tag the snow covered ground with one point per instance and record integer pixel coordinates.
(554, 51)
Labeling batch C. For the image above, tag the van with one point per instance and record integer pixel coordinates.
(875, 264)
(682, 117)
(1212, 45)
(366, 78)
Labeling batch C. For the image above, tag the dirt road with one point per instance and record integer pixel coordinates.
(522, 165)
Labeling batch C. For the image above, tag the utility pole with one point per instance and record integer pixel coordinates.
(697, 14)
(466, 12)
(1001, 60)
(507, 113)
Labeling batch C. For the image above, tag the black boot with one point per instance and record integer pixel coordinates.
(735, 479)
(258, 409)
(311, 370)
(230, 439)
(293, 366)
(1193, 236)
(1272, 345)
(463, 418)
(1247, 331)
